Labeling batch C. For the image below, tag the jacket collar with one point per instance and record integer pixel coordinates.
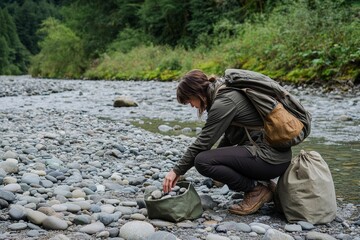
(212, 91)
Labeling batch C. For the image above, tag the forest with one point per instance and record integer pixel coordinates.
(300, 41)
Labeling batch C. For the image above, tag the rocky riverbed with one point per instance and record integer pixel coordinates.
(74, 167)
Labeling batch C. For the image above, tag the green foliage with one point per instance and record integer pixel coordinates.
(4, 57)
(28, 15)
(318, 39)
(165, 20)
(296, 40)
(61, 54)
(13, 55)
(128, 39)
(99, 22)
(143, 62)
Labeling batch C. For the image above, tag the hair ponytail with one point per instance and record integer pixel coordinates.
(194, 84)
(212, 78)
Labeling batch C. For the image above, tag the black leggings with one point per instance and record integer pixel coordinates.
(236, 167)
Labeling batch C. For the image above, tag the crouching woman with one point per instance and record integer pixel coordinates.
(242, 159)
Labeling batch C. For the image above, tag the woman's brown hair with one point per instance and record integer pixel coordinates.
(194, 84)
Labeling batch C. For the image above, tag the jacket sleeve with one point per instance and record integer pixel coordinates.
(220, 116)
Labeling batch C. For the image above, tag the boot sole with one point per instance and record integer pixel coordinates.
(265, 199)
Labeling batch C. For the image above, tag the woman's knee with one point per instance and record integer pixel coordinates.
(201, 161)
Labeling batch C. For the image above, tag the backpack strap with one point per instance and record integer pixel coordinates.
(250, 138)
(247, 131)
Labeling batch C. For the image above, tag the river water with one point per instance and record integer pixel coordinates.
(335, 127)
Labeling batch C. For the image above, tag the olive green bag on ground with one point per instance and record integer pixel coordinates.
(306, 191)
(186, 206)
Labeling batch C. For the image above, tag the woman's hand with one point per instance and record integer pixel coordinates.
(169, 181)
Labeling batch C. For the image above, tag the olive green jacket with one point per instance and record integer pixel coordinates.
(225, 108)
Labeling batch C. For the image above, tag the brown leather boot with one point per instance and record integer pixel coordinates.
(252, 201)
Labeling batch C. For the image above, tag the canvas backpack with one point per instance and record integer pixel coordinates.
(286, 121)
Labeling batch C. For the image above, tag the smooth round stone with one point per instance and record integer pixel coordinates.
(59, 237)
(33, 233)
(82, 219)
(216, 237)
(30, 205)
(318, 236)
(306, 225)
(233, 226)
(71, 207)
(3, 204)
(74, 165)
(124, 210)
(88, 191)
(39, 172)
(161, 235)
(59, 207)
(7, 195)
(103, 234)
(54, 163)
(54, 223)
(13, 187)
(293, 228)
(106, 218)
(100, 188)
(9, 180)
(78, 193)
(47, 210)
(46, 183)
(208, 202)
(129, 204)
(84, 205)
(2, 173)
(35, 217)
(253, 234)
(107, 208)
(136, 230)
(17, 226)
(93, 228)
(258, 229)
(17, 212)
(30, 178)
(186, 224)
(265, 226)
(161, 223)
(95, 208)
(10, 165)
(10, 154)
(63, 190)
(273, 234)
(137, 216)
(51, 178)
(114, 232)
(112, 201)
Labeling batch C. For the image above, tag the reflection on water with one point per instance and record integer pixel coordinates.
(343, 160)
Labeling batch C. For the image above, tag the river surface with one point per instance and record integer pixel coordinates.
(335, 127)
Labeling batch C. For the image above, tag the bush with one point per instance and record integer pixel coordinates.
(61, 54)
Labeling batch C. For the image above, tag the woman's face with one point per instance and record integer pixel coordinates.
(194, 102)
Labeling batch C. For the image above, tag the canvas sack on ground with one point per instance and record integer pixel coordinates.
(186, 206)
(306, 190)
